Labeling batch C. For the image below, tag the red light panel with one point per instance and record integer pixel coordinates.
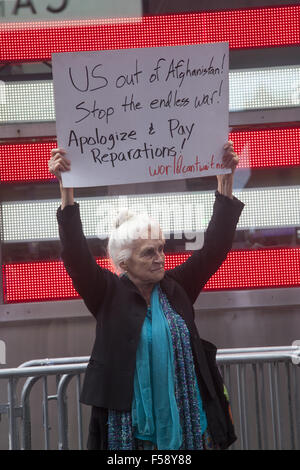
(254, 269)
(257, 149)
(267, 148)
(39, 281)
(25, 162)
(243, 269)
(243, 28)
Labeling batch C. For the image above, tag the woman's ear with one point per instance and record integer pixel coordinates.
(123, 266)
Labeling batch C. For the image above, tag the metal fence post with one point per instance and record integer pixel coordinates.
(257, 407)
(14, 442)
(263, 405)
(296, 401)
(26, 423)
(290, 407)
(79, 413)
(63, 412)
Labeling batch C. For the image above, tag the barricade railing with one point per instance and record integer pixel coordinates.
(263, 385)
(19, 415)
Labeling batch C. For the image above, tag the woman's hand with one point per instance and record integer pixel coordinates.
(230, 160)
(58, 163)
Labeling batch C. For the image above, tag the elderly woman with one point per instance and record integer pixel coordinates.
(151, 381)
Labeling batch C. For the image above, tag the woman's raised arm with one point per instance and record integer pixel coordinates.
(58, 163)
(89, 279)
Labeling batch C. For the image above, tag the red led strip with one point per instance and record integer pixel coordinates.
(243, 269)
(242, 28)
(25, 162)
(267, 148)
(257, 149)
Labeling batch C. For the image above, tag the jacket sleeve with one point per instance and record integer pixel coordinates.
(194, 273)
(88, 278)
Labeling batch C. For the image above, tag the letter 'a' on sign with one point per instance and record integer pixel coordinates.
(142, 115)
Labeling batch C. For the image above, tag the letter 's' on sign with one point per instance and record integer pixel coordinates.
(142, 115)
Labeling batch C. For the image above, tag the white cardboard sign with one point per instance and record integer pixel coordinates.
(142, 115)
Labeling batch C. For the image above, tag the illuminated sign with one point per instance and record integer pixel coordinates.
(20, 10)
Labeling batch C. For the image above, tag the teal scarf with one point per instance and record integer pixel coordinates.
(155, 415)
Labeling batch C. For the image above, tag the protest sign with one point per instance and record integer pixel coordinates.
(142, 115)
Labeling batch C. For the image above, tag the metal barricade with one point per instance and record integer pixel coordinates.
(263, 385)
(19, 416)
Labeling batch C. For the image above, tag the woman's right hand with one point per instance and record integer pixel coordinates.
(58, 163)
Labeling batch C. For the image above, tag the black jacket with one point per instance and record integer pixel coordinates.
(120, 312)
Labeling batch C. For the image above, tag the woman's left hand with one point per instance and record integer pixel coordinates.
(230, 160)
(230, 157)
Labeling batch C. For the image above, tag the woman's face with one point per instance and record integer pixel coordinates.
(146, 264)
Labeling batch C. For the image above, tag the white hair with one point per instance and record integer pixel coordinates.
(127, 228)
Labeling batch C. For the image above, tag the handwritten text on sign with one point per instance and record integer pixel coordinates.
(142, 115)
